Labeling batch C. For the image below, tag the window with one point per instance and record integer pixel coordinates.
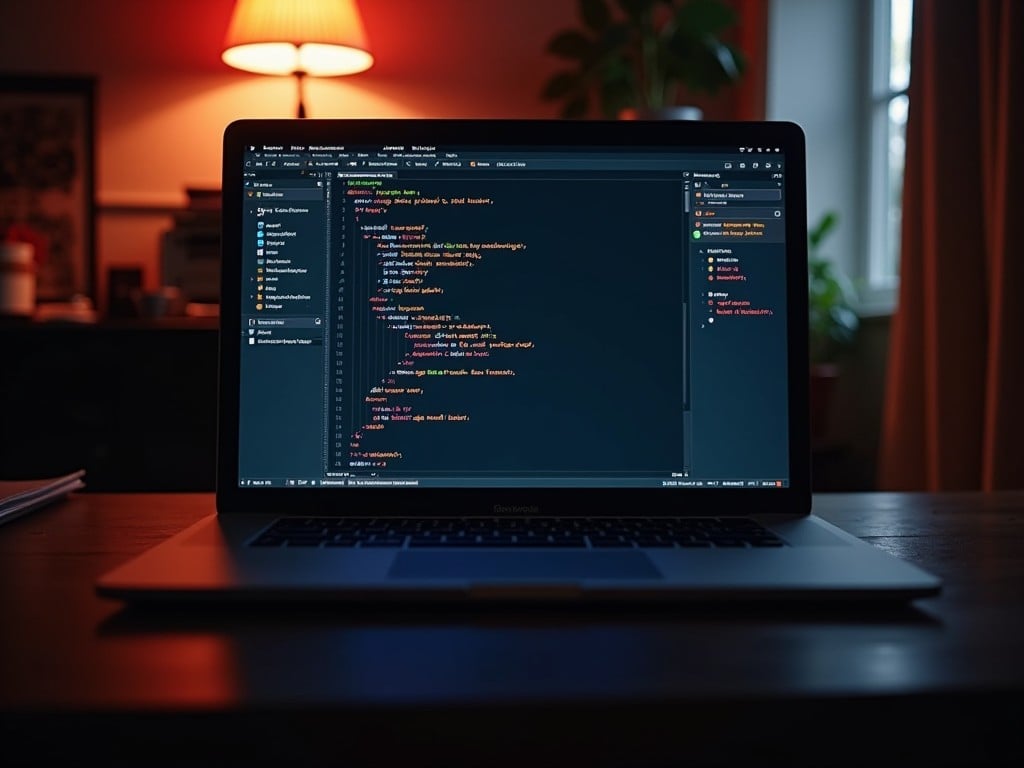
(890, 76)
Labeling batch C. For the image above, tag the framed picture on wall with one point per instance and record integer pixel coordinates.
(47, 191)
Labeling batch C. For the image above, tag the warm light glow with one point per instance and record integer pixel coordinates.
(286, 59)
(282, 37)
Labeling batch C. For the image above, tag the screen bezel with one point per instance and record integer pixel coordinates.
(622, 502)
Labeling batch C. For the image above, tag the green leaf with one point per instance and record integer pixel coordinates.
(614, 41)
(821, 230)
(697, 66)
(625, 56)
(730, 59)
(571, 45)
(576, 107)
(636, 9)
(616, 91)
(693, 51)
(561, 84)
(595, 14)
(704, 17)
(831, 297)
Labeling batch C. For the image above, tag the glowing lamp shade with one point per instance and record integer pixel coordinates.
(324, 38)
(287, 59)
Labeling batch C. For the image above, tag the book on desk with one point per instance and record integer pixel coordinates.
(18, 497)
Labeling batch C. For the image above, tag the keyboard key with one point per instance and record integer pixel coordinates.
(546, 544)
(573, 532)
(268, 541)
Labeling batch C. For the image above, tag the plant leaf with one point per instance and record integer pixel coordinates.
(595, 14)
(576, 107)
(561, 84)
(833, 321)
(730, 59)
(697, 64)
(635, 9)
(820, 230)
(694, 53)
(614, 41)
(616, 91)
(701, 18)
(571, 44)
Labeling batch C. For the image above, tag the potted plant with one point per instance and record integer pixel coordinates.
(635, 58)
(833, 321)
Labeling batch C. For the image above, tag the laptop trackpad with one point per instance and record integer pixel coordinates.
(561, 565)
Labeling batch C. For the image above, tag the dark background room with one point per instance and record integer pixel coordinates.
(867, 611)
(116, 373)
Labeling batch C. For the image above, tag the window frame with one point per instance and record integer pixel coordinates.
(878, 293)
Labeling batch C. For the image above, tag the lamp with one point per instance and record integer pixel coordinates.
(323, 38)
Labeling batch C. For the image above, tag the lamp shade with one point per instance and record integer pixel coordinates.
(284, 37)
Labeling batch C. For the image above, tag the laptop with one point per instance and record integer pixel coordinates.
(487, 360)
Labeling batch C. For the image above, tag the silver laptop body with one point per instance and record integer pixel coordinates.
(513, 359)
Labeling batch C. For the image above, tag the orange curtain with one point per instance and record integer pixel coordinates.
(954, 406)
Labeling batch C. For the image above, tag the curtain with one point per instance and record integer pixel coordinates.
(953, 417)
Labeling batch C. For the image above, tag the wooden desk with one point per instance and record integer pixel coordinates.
(938, 683)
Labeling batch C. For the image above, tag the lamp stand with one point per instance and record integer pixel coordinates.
(300, 79)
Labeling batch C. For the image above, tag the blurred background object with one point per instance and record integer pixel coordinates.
(299, 38)
(638, 58)
(17, 279)
(190, 248)
(841, 69)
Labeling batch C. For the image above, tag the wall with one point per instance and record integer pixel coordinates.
(165, 96)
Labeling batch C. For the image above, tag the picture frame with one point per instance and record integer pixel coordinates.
(47, 178)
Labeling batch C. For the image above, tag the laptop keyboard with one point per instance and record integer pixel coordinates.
(571, 532)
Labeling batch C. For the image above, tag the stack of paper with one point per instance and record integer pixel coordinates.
(20, 496)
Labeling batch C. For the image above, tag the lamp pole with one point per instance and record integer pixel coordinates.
(300, 79)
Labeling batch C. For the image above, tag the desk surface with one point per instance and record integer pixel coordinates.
(944, 676)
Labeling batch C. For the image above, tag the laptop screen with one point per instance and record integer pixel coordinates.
(494, 315)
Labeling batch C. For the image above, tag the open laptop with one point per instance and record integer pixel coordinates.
(512, 359)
